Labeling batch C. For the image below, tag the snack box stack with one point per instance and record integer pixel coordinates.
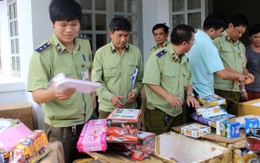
(123, 125)
(93, 136)
(144, 147)
(213, 121)
(212, 100)
(195, 130)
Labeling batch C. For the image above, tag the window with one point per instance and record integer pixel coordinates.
(14, 37)
(191, 12)
(98, 13)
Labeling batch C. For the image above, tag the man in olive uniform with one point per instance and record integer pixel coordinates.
(167, 76)
(65, 111)
(232, 54)
(160, 33)
(118, 67)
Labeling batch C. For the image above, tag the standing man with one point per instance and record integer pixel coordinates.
(253, 61)
(65, 111)
(160, 33)
(204, 58)
(232, 54)
(118, 67)
(167, 76)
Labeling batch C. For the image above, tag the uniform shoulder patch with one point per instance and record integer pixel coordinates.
(43, 47)
(161, 53)
(84, 36)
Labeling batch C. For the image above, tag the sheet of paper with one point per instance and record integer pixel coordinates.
(256, 104)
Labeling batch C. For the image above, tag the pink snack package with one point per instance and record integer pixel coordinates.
(93, 136)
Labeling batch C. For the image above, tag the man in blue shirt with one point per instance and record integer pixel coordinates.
(205, 61)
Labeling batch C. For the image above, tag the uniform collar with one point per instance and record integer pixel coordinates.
(60, 47)
(174, 56)
(113, 48)
(167, 42)
(228, 39)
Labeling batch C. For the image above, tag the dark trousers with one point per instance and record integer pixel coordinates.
(158, 122)
(102, 114)
(253, 95)
(232, 100)
(68, 138)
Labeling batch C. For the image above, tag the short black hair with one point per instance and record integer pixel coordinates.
(120, 23)
(68, 10)
(161, 25)
(239, 20)
(253, 29)
(181, 33)
(214, 21)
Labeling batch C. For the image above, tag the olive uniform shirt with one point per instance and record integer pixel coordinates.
(51, 59)
(173, 74)
(115, 72)
(232, 55)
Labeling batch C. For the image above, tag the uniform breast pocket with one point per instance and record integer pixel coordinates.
(131, 67)
(110, 71)
(168, 79)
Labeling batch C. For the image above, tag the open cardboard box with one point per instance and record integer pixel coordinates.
(251, 107)
(22, 111)
(179, 148)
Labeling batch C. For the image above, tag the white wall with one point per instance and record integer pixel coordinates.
(154, 11)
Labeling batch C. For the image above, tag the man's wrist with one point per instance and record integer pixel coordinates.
(190, 94)
(242, 90)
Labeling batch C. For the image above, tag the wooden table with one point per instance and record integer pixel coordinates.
(239, 142)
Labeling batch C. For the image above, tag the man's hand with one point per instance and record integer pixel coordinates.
(173, 100)
(192, 102)
(249, 75)
(244, 95)
(241, 78)
(131, 97)
(64, 94)
(116, 101)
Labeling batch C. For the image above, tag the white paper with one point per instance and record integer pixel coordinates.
(256, 104)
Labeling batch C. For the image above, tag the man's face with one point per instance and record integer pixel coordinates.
(236, 32)
(255, 39)
(216, 33)
(66, 31)
(160, 36)
(119, 38)
(189, 43)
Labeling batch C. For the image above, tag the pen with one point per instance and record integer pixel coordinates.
(84, 57)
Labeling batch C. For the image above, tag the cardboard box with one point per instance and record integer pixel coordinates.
(179, 148)
(212, 100)
(144, 147)
(213, 121)
(229, 129)
(195, 130)
(13, 135)
(23, 112)
(93, 136)
(249, 108)
(123, 126)
(251, 122)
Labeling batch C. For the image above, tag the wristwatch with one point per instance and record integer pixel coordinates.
(190, 94)
(242, 90)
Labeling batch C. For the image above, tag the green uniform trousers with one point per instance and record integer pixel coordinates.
(232, 100)
(158, 122)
